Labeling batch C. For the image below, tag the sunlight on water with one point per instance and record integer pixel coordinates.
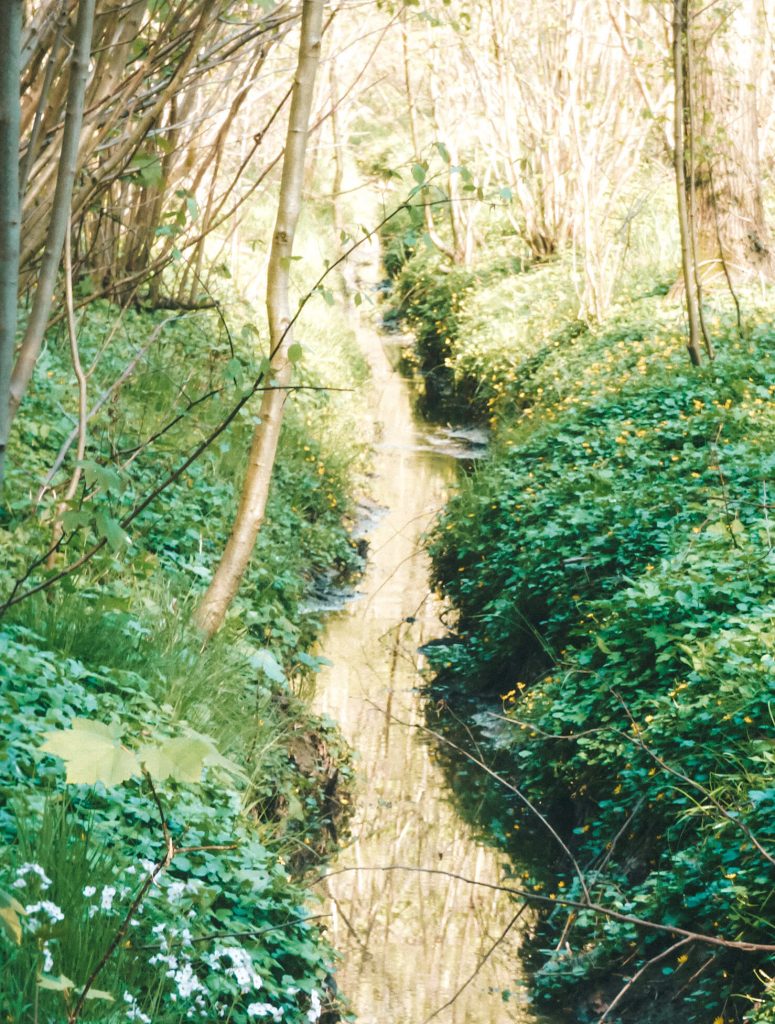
(409, 940)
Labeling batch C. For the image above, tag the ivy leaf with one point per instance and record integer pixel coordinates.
(75, 518)
(233, 372)
(104, 477)
(92, 753)
(295, 810)
(147, 167)
(10, 912)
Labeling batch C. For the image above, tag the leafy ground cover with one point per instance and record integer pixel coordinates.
(226, 930)
(612, 572)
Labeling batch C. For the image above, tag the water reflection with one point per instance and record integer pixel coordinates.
(409, 940)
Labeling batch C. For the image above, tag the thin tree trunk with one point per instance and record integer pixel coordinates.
(430, 226)
(680, 16)
(80, 376)
(51, 68)
(10, 118)
(60, 212)
(227, 578)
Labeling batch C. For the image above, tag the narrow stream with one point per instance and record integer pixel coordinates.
(409, 940)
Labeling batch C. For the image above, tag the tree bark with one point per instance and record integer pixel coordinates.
(730, 226)
(83, 414)
(239, 548)
(685, 224)
(10, 216)
(60, 213)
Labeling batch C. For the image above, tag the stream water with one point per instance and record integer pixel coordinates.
(411, 941)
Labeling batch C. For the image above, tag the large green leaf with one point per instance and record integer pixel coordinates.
(98, 993)
(92, 753)
(181, 759)
(10, 912)
(55, 983)
(266, 662)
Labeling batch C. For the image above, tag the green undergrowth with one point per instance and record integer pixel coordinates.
(227, 931)
(612, 572)
(429, 296)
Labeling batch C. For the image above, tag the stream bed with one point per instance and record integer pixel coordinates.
(415, 944)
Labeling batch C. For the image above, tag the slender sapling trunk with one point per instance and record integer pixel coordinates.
(10, 215)
(225, 583)
(60, 212)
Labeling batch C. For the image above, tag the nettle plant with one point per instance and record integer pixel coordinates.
(200, 921)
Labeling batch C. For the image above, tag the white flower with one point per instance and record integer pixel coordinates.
(51, 909)
(165, 958)
(108, 893)
(48, 959)
(241, 969)
(265, 1010)
(175, 891)
(133, 1010)
(315, 1007)
(187, 982)
(89, 890)
(31, 869)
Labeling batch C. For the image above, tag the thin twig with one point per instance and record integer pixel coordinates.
(480, 965)
(241, 935)
(639, 974)
(122, 929)
(508, 785)
(80, 377)
(565, 901)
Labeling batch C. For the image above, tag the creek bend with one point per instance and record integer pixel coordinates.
(409, 940)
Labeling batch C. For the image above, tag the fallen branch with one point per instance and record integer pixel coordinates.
(565, 901)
